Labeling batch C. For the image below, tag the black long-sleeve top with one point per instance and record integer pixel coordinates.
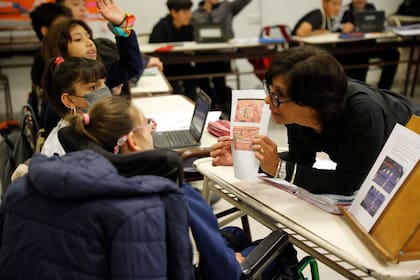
(353, 141)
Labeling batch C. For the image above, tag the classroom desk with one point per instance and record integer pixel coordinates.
(327, 237)
(384, 41)
(151, 82)
(187, 52)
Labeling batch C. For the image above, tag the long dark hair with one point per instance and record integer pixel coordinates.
(58, 36)
(314, 79)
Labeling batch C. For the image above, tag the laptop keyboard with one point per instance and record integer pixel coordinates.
(179, 138)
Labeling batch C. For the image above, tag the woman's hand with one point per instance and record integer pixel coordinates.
(266, 152)
(221, 151)
(111, 11)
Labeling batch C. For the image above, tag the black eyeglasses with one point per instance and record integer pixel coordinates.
(268, 88)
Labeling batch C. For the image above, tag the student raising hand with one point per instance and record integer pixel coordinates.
(111, 11)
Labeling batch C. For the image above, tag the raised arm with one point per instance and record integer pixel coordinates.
(238, 5)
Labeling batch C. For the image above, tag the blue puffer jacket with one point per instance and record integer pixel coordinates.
(74, 217)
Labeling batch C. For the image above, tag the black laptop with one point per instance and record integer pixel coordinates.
(369, 21)
(213, 32)
(191, 136)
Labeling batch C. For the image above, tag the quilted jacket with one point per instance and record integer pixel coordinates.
(74, 217)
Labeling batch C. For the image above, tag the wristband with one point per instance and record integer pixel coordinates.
(125, 17)
(126, 31)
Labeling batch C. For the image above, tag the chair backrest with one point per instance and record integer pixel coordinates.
(17, 144)
(277, 31)
(159, 162)
(30, 125)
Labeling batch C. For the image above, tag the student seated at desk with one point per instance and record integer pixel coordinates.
(176, 27)
(131, 132)
(325, 20)
(387, 56)
(223, 12)
(323, 110)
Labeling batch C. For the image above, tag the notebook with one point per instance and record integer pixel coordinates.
(369, 21)
(191, 136)
(210, 33)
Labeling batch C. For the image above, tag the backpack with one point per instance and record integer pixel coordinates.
(16, 144)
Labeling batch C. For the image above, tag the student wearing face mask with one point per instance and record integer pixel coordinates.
(73, 38)
(71, 85)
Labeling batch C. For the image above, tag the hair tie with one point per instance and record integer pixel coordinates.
(86, 119)
(56, 61)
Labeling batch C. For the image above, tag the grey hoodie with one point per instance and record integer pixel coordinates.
(222, 12)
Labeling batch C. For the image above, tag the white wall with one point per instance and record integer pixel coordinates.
(247, 24)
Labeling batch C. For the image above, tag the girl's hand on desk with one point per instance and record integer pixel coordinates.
(221, 151)
(347, 27)
(266, 152)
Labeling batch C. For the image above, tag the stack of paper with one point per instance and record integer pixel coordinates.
(327, 202)
(407, 30)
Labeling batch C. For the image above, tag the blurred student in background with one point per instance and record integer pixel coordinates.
(223, 12)
(389, 57)
(176, 27)
(326, 20)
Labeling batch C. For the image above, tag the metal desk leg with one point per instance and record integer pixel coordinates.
(206, 189)
(409, 64)
(416, 72)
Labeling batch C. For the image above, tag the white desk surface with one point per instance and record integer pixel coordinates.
(330, 38)
(329, 234)
(151, 82)
(174, 112)
(193, 46)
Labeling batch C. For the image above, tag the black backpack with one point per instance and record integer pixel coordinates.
(409, 8)
(16, 144)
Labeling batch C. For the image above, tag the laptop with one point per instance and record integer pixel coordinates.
(190, 137)
(369, 21)
(210, 32)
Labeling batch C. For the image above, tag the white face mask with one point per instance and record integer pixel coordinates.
(94, 96)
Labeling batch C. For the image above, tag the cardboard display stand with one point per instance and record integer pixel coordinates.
(396, 234)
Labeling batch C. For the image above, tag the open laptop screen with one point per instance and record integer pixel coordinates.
(210, 33)
(201, 110)
(369, 21)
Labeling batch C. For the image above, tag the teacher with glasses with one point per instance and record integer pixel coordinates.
(324, 111)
